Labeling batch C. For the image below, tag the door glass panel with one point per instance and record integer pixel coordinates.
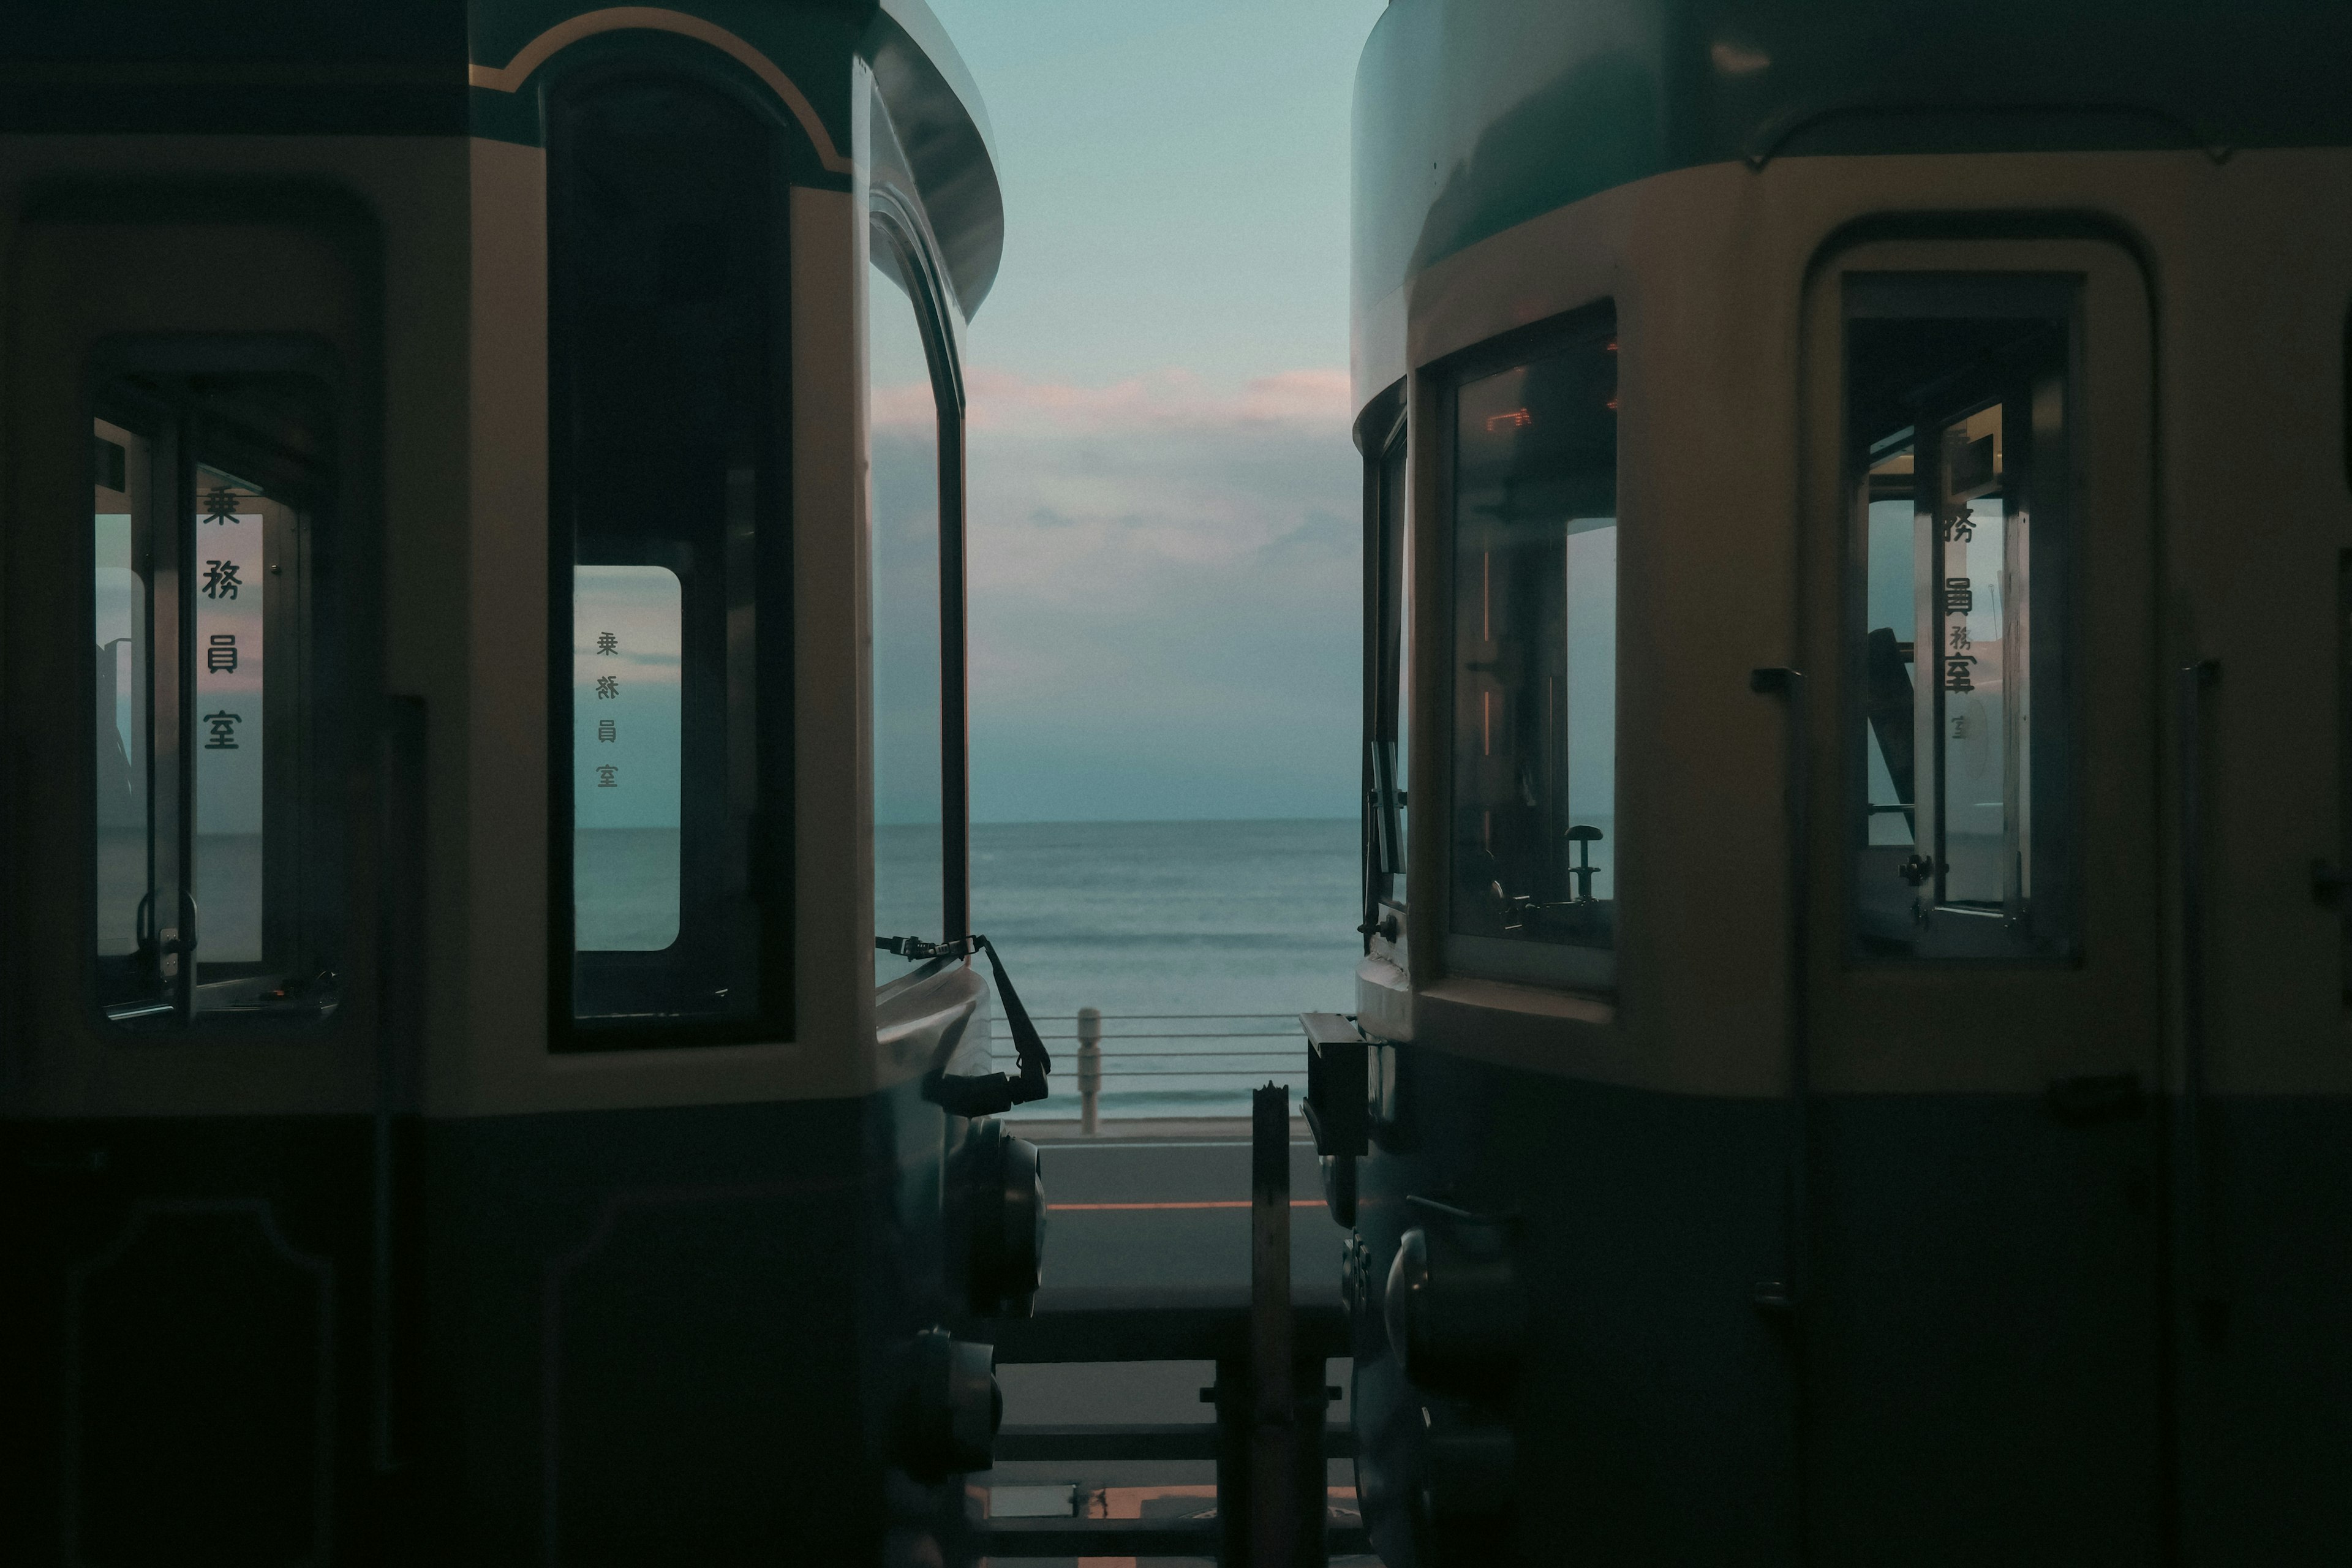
(216, 712)
(627, 721)
(667, 391)
(909, 754)
(1534, 890)
(1958, 396)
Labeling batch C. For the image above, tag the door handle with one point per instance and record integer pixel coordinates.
(2091, 1098)
(150, 937)
(2200, 1216)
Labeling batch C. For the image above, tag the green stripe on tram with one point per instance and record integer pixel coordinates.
(1473, 116)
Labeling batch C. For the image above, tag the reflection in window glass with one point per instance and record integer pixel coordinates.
(1957, 421)
(672, 539)
(119, 632)
(627, 724)
(1534, 890)
(909, 760)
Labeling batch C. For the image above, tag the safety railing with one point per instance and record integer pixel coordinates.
(1164, 1064)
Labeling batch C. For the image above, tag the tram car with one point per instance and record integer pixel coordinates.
(1851, 1061)
(491, 1064)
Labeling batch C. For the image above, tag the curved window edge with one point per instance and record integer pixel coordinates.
(896, 232)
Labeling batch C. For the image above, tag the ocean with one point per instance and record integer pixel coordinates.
(1200, 942)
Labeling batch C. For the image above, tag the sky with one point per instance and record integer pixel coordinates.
(1165, 563)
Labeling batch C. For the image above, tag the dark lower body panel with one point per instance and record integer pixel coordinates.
(1997, 1352)
(618, 1337)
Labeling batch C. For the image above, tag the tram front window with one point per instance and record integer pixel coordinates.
(1956, 428)
(910, 887)
(672, 681)
(1534, 892)
(1389, 674)
(214, 841)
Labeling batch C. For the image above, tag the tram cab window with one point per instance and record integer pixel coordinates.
(907, 603)
(671, 686)
(213, 678)
(1533, 894)
(1958, 399)
(1388, 671)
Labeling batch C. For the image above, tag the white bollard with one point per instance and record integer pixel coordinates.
(1089, 1066)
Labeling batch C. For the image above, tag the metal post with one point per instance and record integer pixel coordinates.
(1273, 1425)
(1090, 1067)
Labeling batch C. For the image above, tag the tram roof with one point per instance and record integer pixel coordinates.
(1472, 116)
(428, 67)
(943, 125)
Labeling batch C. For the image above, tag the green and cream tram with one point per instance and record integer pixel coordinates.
(1858, 563)
(480, 574)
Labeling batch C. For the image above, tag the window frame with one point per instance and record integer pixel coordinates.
(771, 876)
(1584, 971)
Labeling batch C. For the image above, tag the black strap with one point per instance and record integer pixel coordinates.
(986, 1093)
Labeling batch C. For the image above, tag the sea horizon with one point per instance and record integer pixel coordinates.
(1199, 939)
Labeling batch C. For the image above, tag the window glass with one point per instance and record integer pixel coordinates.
(629, 736)
(233, 519)
(215, 713)
(1534, 891)
(673, 552)
(909, 756)
(1391, 675)
(1956, 414)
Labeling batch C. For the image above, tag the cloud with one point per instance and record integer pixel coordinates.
(1172, 399)
(1164, 581)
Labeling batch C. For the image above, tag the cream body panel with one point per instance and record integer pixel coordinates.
(1709, 268)
(59, 1063)
(489, 890)
(2253, 294)
(830, 592)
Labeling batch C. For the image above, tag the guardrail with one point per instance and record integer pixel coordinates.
(1169, 1063)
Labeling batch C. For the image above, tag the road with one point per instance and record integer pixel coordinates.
(1154, 1210)
(1129, 1212)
